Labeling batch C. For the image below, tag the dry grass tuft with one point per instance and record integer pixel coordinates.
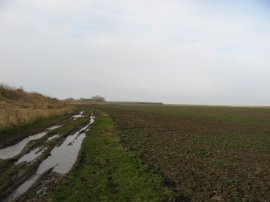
(18, 107)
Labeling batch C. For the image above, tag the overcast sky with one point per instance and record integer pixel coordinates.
(172, 51)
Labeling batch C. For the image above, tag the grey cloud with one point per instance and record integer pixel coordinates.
(175, 52)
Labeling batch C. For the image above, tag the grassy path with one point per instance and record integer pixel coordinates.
(106, 172)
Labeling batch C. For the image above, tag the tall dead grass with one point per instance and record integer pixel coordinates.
(18, 107)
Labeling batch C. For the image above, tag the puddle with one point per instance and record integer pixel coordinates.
(75, 117)
(24, 187)
(16, 149)
(61, 159)
(53, 137)
(54, 127)
(32, 155)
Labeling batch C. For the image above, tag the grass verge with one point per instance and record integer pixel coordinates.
(18, 107)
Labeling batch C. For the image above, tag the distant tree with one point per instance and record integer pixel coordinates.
(98, 98)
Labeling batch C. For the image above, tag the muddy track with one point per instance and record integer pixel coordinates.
(42, 160)
(21, 132)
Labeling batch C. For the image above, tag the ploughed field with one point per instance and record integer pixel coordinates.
(203, 153)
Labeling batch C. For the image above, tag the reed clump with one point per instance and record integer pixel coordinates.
(18, 107)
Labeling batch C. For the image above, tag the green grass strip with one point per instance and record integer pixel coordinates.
(106, 172)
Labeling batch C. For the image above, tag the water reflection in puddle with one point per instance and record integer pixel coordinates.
(53, 137)
(24, 187)
(75, 117)
(63, 157)
(32, 155)
(16, 149)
